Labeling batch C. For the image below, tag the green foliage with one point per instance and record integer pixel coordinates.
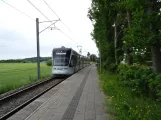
(49, 62)
(138, 24)
(140, 33)
(25, 60)
(112, 67)
(141, 80)
(93, 57)
(124, 104)
(88, 54)
(102, 14)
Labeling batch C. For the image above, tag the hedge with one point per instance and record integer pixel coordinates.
(141, 80)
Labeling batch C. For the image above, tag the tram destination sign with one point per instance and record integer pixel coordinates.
(60, 53)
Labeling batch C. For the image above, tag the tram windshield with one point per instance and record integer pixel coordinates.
(60, 61)
(61, 57)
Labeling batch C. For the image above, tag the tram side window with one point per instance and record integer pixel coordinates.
(73, 61)
(78, 60)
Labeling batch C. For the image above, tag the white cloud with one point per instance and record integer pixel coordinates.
(18, 32)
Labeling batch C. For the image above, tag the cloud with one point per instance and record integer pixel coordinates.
(18, 32)
(10, 35)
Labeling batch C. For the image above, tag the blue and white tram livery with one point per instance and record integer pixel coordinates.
(66, 61)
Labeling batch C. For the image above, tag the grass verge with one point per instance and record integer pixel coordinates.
(122, 104)
(15, 75)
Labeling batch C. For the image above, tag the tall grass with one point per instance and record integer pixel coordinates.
(14, 75)
(123, 104)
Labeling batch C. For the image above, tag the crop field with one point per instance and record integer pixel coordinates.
(14, 75)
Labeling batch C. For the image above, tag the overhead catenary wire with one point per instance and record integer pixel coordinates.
(62, 22)
(56, 14)
(68, 36)
(50, 20)
(50, 8)
(48, 26)
(18, 10)
(38, 10)
(70, 39)
(42, 14)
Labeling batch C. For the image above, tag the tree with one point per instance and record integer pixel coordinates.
(88, 54)
(49, 62)
(140, 35)
(144, 31)
(102, 14)
(93, 57)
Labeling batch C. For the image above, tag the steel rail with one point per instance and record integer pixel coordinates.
(23, 90)
(9, 97)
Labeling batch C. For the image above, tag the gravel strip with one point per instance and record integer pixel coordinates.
(10, 104)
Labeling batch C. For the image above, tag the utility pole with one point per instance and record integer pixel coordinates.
(100, 56)
(38, 48)
(115, 42)
(99, 43)
(37, 38)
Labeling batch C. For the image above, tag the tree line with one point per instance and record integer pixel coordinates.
(127, 30)
(26, 60)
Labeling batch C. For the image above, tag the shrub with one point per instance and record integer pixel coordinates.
(141, 80)
(112, 67)
(49, 62)
(124, 104)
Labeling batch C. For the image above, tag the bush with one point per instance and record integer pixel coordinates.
(112, 67)
(141, 80)
(124, 104)
(49, 62)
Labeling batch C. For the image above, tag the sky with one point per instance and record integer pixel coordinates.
(18, 31)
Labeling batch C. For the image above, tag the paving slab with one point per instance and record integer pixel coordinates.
(76, 98)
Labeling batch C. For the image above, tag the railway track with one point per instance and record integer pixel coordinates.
(13, 102)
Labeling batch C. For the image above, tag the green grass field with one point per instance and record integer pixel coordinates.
(14, 75)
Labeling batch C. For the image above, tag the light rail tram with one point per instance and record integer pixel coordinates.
(66, 61)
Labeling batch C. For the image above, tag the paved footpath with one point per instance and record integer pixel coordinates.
(76, 98)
